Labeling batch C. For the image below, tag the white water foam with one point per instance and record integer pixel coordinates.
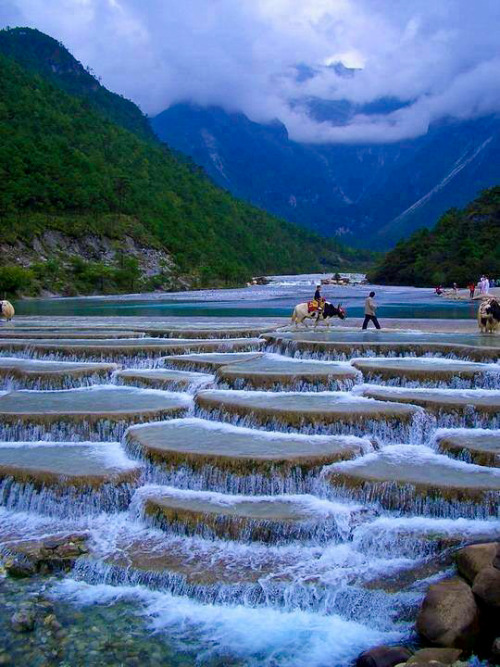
(262, 637)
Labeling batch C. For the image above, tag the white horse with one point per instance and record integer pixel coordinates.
(7, 310)
(301, 313)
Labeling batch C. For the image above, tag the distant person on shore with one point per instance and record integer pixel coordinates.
(484, 286)
(439, 290)
(370, 312)
(455, 289)
(472, 288)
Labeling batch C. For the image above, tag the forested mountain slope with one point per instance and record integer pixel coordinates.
(43, 55)
(463, 245)
(67, 169)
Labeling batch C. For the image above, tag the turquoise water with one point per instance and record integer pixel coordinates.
(274, 300)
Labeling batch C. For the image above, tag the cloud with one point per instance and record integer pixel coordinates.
(439, 58)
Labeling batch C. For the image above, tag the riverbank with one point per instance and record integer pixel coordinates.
(464, 294)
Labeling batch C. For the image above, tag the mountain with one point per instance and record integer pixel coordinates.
(463, 245)
(43, 55)
(86, 204)
(368, 195)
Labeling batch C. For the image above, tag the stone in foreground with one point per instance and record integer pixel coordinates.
(487, 587)
(481, 446)
(474, 558)
(196, 443)
(449, 616)
(383, 656)
(438, 656)
(273, 371)
(415, 478)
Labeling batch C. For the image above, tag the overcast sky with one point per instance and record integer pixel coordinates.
(440, 57)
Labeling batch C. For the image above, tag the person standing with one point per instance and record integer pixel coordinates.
(472, 289)
(370, 311)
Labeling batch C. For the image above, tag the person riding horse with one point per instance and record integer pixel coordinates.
(318, 302)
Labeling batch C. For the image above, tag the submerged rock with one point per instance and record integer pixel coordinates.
(383, 656)
(23, 620)
(53, 553)
(449, 616)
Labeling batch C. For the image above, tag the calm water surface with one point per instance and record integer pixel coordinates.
(274, 300)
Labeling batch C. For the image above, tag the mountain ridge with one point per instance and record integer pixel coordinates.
(364, 194)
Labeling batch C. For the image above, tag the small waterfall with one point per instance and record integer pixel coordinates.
(101, 430)
(65, 501)
(384, 431)
(360, 605)
(404, 498)
(298, 385)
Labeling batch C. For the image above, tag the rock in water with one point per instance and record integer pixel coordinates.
(496, 560)
(435, 656)
(383, 656)
(23, 620)
(487, 586)
(449, 616)
(474, 558)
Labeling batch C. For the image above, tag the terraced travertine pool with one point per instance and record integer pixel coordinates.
(281, 499)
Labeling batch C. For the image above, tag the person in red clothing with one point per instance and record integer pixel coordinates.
(472, 289)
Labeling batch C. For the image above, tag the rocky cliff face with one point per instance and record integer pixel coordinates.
(155, 266)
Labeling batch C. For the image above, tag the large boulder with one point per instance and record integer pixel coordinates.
(487, 587)
(383, 656)
(474, 558)
(496, 560)
(436, 656)
(449, 616)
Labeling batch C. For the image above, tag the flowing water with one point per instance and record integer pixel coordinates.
(261, 508)
(276, 299)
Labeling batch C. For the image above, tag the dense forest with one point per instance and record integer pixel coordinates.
(83, 163)
(463, 245)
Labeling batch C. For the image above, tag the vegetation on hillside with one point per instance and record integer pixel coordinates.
(60, 159)
(41, 54)
(463, 245)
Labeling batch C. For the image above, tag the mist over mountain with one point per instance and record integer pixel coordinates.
(369, 195)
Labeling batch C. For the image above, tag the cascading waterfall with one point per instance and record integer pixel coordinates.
(340, 562)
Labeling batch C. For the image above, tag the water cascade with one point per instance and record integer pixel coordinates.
(282, 500)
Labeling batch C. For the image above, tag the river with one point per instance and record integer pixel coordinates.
(276, 299)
